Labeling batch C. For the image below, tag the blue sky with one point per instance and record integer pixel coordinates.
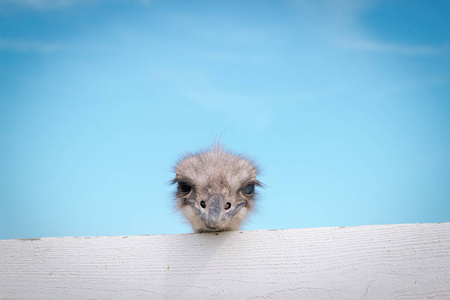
(343, 104)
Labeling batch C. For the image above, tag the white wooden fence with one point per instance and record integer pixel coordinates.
(368, 262)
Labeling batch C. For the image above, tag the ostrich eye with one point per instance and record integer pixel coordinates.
(249, 189)
(184, 187)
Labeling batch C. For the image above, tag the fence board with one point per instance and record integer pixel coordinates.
(408, 261)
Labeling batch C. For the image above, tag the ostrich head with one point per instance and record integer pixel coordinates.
(216, 189)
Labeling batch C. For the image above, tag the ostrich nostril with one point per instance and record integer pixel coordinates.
(202, 204)
(227, 205)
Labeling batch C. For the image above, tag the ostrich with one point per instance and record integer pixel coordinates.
(216, 189)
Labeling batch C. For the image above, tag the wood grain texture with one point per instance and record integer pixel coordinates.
(410, 261)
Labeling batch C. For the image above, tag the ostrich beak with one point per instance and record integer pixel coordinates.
(215, 215)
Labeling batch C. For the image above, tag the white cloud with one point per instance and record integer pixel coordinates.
(225, 30)
(340, 23)
(42, 4)
(328, 18)
(29, 46)
(373, 46)
(55, 4)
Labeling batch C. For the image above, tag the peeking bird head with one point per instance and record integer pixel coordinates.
(215, 189)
